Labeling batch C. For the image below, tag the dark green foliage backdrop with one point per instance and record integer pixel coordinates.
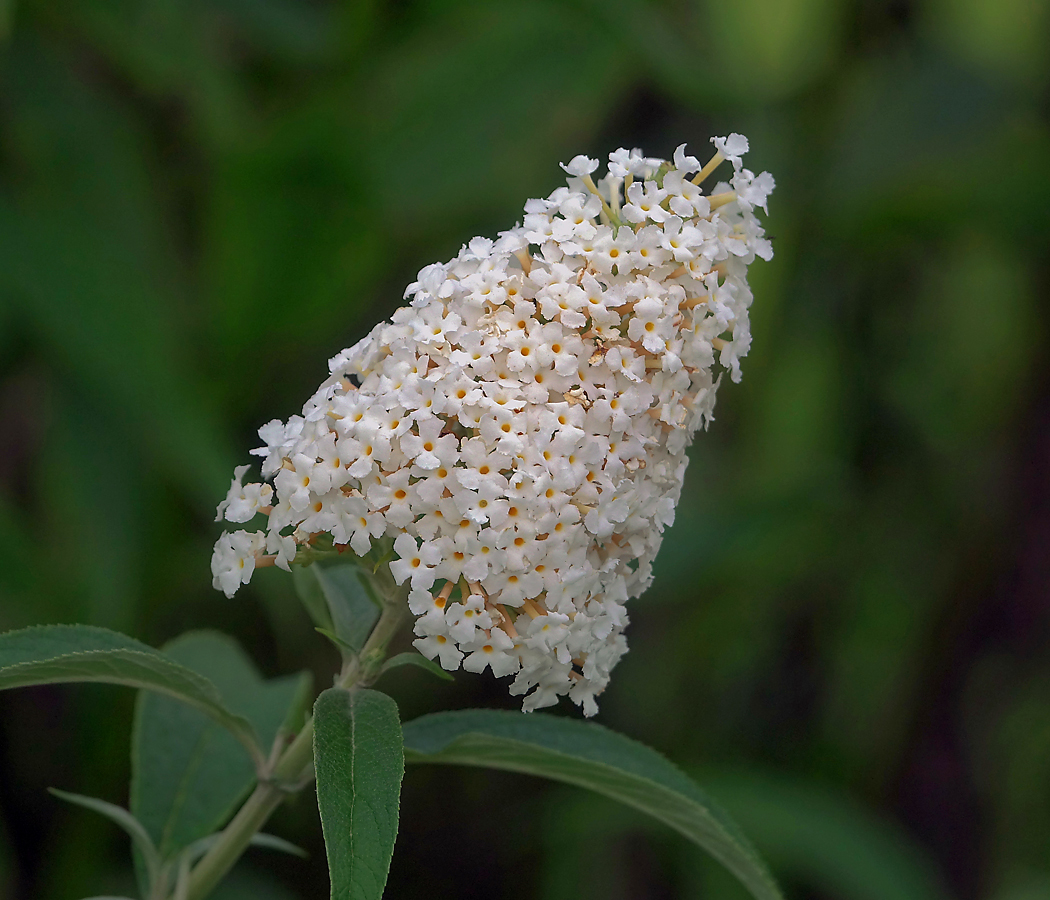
(848, 638)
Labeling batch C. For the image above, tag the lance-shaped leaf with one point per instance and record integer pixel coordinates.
(411, 658)
(266, 841)
(121, 817)
(588, 755)
(359, 761)
(187, 774)
(52, 654)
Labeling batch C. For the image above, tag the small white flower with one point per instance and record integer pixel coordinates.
(295, 478)
(580, 166)
(623, 163)
(465, 619)
(732, 147)
(243, 501)
(753, 190)
(434, 641)
(644, 203)
(683, 163)
(494, 650)
(685, 198)
(233, 560)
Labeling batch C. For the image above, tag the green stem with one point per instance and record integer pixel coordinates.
(294, 769)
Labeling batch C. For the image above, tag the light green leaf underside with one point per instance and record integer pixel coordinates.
(412, 658)
(188, 775)
(309, 592)
(53, 654)
(280, 845)
(360, 763)
(588, 755)
(354, 612)
(338, 600)
(262, 840)
(342, 646)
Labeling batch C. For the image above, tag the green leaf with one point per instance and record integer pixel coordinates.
(354, 610)
(267, 841)
(309, 592)
(302, 699)
(341, 645)
(120, 816)
(187, 774)
(414, 659)
(182, 879)
(53, 654)
(272, 842)
(588, 755)
(351, 588)
(338, 600)
(360, 763)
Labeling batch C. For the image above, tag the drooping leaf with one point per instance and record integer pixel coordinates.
(414, 659)
(120, 816)
(187, 775)
(54, 654)
(588, 755)
(359, 761)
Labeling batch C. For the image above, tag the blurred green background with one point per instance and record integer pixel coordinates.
(200, 202)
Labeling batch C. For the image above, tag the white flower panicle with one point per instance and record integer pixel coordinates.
(519, 429)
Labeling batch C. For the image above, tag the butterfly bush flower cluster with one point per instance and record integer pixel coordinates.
(518, 430)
